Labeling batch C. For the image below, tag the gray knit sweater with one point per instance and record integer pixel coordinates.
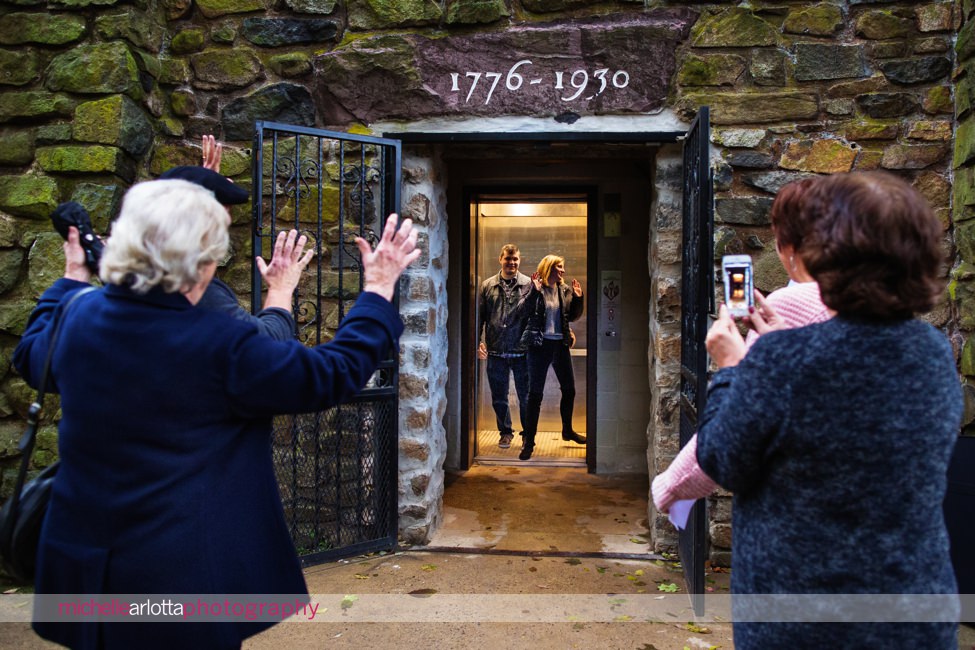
(835, 439)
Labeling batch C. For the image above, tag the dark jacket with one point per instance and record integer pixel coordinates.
(166, 483)
(571, 306)
(275, 322)
(837, 436)
(503, 317)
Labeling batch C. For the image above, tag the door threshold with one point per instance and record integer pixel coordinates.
(531, 462)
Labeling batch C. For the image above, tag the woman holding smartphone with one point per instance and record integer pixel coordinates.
(835, 438)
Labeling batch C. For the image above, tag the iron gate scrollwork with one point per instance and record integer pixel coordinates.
(697, 300)
(336, 469)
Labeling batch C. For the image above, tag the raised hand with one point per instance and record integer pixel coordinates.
(536, 281)
(288, 260)
(576, 288)
(482, 351)
(395, 251)
(212, 153)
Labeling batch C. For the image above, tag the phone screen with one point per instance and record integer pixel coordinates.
(738, 288)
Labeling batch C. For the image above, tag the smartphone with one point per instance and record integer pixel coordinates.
(739, 293)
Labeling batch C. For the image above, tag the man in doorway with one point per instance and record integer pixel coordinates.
(502, 316)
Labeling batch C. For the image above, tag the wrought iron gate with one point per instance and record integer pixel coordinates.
(336, 469)
(697, 300)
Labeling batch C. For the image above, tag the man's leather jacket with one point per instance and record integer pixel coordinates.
(502, 316)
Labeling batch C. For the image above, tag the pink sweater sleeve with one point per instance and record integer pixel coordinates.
(684, 479)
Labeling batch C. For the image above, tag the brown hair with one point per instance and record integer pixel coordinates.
(785, 214)
(509, 249)
(873, 245)
(546, 265)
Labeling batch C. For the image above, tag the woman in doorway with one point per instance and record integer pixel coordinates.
(552, 305)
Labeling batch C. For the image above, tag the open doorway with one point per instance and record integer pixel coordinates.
(521, 228)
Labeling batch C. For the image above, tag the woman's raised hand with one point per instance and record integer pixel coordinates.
(536, 281)
(724, 341)
(212, 153)
(395, 251)
(576, 288)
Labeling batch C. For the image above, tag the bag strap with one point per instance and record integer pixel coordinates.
(34, 412)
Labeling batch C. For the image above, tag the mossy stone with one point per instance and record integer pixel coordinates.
(183, 102)
(167, 156)
(54, 133)
(235, 68)
(735, 27)
(11, 261)
(115, 120)
(910, 156)
(217, 8)
(307, 208)
(225, 33)
(148, 63)
(965, 43)
(937, 100)
(187, 41)
(867, 129)
(822, 19)
(963, 190)
(964, 142)
(100, 68)
(42, 28)
(883, 24)
(18, 147)
(17, 67)
(470, 12)
(33, 104)
(78, 4)
(28, 196)
(383, 14)
(93, 159)
(13, 320)
(820, 156)
(711, 70)
(173, 72)
(46, 261)
(137, 27)
(931, 130)
(293, 64)
(101, 201)
(312, 6)
(769, 274)
(752, 108)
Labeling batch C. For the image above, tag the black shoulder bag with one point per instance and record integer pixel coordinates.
(23, 513)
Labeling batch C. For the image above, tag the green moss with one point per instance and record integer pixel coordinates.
(43, 28)
(293, 64)
(17, 67)
(711, 70)
(735, 27)
(818, 20)
(99, 68)
(28, 196)
(188, 40)
(217, 8)
(35, 104)
(95, 159)
(237, 67)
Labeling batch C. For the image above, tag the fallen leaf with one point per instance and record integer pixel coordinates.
(360, 576)
(670, 588)
(429, 567)
(422, 593)
(622, 618)
(696, 629)
(348, 600)
(638, 541)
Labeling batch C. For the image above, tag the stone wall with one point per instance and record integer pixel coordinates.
(96, 94)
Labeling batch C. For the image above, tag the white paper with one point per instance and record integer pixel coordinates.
(679, 512)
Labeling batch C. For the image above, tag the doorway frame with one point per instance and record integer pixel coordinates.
(468, 410)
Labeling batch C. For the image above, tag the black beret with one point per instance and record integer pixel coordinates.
(223, 188)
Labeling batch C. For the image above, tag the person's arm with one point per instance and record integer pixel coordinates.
(746, 405)
(684, 479)
(268, 378)
(482, 317)
(577, 304)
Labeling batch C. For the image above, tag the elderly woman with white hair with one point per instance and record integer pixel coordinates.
(166, 483)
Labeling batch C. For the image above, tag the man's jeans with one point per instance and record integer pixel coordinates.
(498, 370)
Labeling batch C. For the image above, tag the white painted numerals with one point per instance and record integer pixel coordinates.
(578, 80)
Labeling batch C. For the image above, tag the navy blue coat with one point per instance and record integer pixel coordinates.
(835, 439)
(166, 484)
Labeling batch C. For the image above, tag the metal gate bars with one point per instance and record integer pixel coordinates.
(697, 299)
(336, 469)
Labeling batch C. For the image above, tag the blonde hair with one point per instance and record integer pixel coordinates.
(546, 265)
(166, 231)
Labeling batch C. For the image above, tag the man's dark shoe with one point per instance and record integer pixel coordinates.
(572, 436)
(527, 446)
